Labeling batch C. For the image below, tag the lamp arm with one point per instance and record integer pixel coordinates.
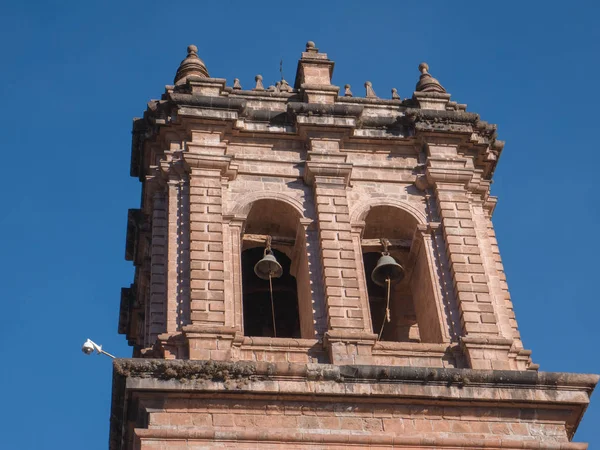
(105, 353)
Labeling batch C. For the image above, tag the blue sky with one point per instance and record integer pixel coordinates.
(74, 74)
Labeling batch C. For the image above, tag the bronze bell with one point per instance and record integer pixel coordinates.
(387, 267)
(268, 265)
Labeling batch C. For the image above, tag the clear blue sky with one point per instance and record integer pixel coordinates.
(73, 74)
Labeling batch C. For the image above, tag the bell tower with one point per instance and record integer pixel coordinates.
(319, 270)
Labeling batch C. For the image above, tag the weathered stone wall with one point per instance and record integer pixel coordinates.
(240, 405)
(286, 421)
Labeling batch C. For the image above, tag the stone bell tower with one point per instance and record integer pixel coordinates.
(383, 319)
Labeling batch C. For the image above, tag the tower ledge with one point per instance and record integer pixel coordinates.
(490, 409)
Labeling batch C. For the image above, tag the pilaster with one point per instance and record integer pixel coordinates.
(167, 188)
(177, 240)
(233, 227)
(207, 172)
(156, 307)
(481, 339)
(206, 245)
(519, 358)
(349, 338)
(156, 296)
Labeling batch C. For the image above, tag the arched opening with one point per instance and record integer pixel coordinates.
(413, 316)
(292, 300)
(403, 326)
(258, 316)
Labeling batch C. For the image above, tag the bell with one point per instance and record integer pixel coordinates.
(387, 267)
(268, 265)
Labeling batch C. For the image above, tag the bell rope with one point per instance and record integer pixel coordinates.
(267, 251)
(272, 304)
(388, 317)
(385, 244)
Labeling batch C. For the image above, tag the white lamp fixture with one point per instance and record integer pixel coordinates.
(89, 346)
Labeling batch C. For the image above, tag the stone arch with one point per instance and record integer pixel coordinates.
(414, 305)
(244, 203)
(280, 216)
(361, 210)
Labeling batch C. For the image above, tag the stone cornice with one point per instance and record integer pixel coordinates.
(389, 119)
(263, 95)
(319, 109)
(461, 122)
(205, 101)
(469, 380)
(222, 163)
(375, 101)
(448, 175)
(456, 122)
(172, 165)
(325, 167)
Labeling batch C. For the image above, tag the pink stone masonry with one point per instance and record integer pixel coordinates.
(324, 356)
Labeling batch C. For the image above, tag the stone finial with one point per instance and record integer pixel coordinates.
(310, 47)
(284, 86)
(395, 95)
(426, 82)
(259, 84)
(192, 65)
(347, 91)
(236, 84)
(370, 91)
